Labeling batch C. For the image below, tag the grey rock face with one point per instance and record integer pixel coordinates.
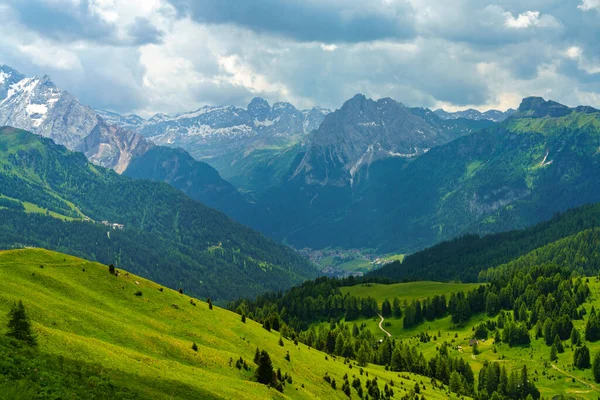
(492, 115)
(362, 132)
(210, 132)
(38, 105)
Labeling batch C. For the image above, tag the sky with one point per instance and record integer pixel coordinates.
(171, 56)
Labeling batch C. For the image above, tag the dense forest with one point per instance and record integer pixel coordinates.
(167, 237)
(461, 259)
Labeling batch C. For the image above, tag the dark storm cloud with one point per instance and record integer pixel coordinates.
(308, 20)
(143, 32)
(67, 22)
(62, 21)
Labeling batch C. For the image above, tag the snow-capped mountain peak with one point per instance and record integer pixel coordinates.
(38, 105)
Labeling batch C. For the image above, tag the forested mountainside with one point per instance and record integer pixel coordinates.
(57, 199)
(462, 258)
(541, 160)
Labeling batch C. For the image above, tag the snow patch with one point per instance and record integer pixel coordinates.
(356, 166)
(266, 122)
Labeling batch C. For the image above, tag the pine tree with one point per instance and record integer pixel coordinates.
(581, 357)
(386, 308)
(264, 372)
(363, 356)
(553, 353)
(455, 383)
(558, 344)
(396, 309)
(575, 337)
(596, 367)
(244, 318)
(194, 346)
(592, 327)
(111, 269)
(19, 326)
(209, 301)
(256, 356)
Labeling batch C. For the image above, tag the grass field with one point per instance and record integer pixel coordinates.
(406, 291)
(551, 378)
(143, 342)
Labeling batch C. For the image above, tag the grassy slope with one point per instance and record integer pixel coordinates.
(81, 312)
(536, 357)
(406, 291)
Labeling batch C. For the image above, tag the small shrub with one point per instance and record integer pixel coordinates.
(138, 293)
(194, 346)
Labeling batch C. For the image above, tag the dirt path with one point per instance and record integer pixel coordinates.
(574, 377)
(381, 325)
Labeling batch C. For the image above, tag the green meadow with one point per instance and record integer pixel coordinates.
(138, 336)
(406, 291)
(551, 378)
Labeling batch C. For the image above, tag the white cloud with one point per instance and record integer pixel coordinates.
(583, 63)
(328, 47)
(587, 5)
(529, 19)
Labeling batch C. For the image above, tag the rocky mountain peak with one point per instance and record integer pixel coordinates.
(259, 109)
(537, 107)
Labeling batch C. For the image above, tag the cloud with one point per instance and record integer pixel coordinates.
(308, 20)
(83, 20)
(142, 31)
(529, 19)
(587, 5)
(170, 56)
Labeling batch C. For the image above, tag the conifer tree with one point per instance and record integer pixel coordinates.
(396, 309)
(264, 372)
(386, 309)
(19, 326)
(553, 353)
(575, 337)
(596, 367)
(558, 344)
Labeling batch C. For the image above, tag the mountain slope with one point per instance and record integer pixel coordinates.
(542, 160)
(140, 345)
(38, 105)
(463, 258)
(340, 162)
(196, 179)
(185, 244)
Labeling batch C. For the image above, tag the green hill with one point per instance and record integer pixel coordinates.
(167, 236)
(464, 257)
(96, 337)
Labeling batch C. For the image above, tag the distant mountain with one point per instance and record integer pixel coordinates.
(492, 115)
(364, 131)
(38, 105)
(230, 138)
(209, 124)
(53, 198)
(541, 160)
(196, 179)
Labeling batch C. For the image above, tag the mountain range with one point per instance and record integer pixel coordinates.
(373, 174)
(541, 160)
(492, 115)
